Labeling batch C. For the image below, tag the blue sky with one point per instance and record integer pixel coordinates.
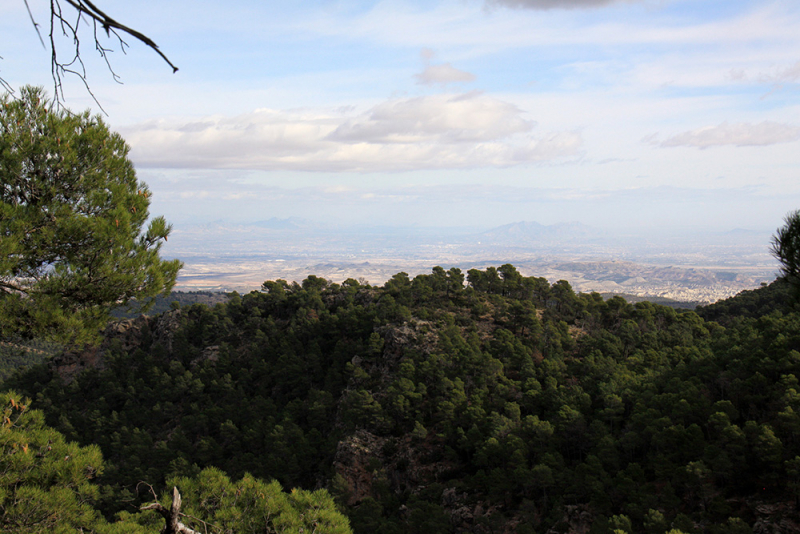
(660, 114)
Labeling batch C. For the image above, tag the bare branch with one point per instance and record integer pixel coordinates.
(35, 24)
(171, 516)
(70, 28)
(108, 23)
(152, 491)
(4, 84)
(9, 287)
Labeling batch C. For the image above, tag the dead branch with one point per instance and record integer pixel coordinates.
(68, 24)
(108, 24)
(172, 517)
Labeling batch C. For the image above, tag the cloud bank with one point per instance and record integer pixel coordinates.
(430, 132)
(738, 134)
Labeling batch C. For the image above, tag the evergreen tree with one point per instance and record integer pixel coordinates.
(73, 241)
(786, 248)
(212, 503)
(45, 483)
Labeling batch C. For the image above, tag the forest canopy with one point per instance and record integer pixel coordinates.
(426, 405)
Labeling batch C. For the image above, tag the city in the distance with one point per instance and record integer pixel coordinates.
(696, 267)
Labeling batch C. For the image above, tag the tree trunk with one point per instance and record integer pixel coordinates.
(172, 516)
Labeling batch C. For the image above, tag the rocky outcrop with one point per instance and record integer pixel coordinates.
(577, 519)
(466, 515)
(209, 354)
(366, 461)
(70, 364)
(776, 518)
(417, 333)
(126, 335)
(358, 459)
(164, 327)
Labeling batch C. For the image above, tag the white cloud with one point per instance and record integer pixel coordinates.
(470, 117)
(789, 73)
(783, 75)
(738, 134)
(736, 75)
(427, 53)
(443, 74)
(195, 194)
(552, 4)
(452, 26)
(551, 147)
(430, 132)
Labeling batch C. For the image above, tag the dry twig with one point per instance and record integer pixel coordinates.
(67, 23)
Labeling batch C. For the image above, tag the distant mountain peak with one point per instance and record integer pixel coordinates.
(532, 230)
(290, 223)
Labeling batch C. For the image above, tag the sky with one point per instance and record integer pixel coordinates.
(625, 115)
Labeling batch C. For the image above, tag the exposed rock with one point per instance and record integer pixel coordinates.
(577, 519)
(776, 518)
(69, 364)
(415, 333)
(127, 335)
(405, 464)
(357, 457)
(164, 328)
(576, 332)
(462, 513)
(210, 354)
(127, 332)
(410, 466)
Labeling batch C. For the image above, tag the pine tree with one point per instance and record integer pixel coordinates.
(786, 248)
(73, 241)
(45, 483)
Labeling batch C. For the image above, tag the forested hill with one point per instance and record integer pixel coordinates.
(424, 406)
(775, 297)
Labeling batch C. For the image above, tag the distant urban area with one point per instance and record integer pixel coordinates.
(692, 267)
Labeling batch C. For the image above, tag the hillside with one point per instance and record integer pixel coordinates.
(775, 297)
(163, 303)
(511, 405)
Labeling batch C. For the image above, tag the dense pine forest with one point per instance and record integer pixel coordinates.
(453, 402)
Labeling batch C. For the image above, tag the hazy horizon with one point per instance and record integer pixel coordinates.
(652, 115)
(707, 266)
